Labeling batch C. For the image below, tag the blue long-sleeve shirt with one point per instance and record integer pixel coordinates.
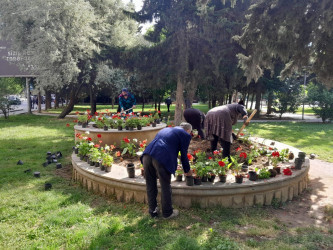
(166, 146)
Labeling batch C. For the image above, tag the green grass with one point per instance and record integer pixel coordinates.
(307, 111)
(309, 137)
(69, 217)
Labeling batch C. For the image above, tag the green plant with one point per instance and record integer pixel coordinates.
(128, 147)
(99, 123)
(179, 171)
(95, 154)
(84, 147)
(264, 173)
(120, 122)
(130, 122)
(82, 118)
(236, 165)
(284, 153)
(107, 160)
(156, 116)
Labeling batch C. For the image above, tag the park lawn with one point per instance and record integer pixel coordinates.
(70, 217)
(309, 137)
(307, 110)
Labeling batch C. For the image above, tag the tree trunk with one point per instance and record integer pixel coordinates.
(247, 98)
(48, 100)
(258, 98)
(73, 99)
(252, 99)
(179, 101)
(28, 94)
(93, 106)
(143, 103)
(39, 102)
(213, 102)
(230, 99)
(112, 101)
(269, 102)
(56, 100)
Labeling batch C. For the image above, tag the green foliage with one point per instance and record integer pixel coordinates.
(322, 101)
(264, 173)
(95, 154)
(107, 160)
(84, 147)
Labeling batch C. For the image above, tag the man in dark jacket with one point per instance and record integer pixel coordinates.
(218, 125)
(197, 119)
(168, 103)
(127, 101)
(160, 159)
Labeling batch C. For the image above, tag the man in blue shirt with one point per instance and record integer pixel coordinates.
(160, 159)
(126, 101)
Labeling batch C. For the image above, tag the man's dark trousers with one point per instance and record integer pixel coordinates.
(152, 168)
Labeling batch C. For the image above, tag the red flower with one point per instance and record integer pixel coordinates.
(276, 154)
(77, 112)
(88, 111)
(209, 158)
(243, 155)
(75, 121)
(221, 163)
(141, 145)
(118, 153)
(99, 135)
(96, 113)
(241, 134)
(238, 149)
(67, 125)
(100, 118)
(126, 140)
(89, 139)
(190, 157)
(287, 171)
(196, 151)
(216, 152)
(159, 112)
(270, 148)
(78, 135)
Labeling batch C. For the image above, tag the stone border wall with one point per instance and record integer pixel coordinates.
(281, 189)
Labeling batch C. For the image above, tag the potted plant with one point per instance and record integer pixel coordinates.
(84, 148)
(189, 180)
(130, 123)
(275, 158)
(253, 176)
(236, 169)
(95, 156)
(83, 119)
(157, 118)
(264, 173)
(107, 161)
(298, 163)
(222, 169)
(130, 170)
(179, 174)
(120, 124)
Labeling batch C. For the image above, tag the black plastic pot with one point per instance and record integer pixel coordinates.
(54, 160)
(59, 165)
(204, 178)
(211, 178)
(120, 128)
(131, 128)
(49, 153)
(102, 167)
(108, 169)
(45, 164)
(47, 186)
(130, 170)
(273, 172)
(37, 174)
(197, 181)
(253, 175)
(153, 124)
(139, 127)
(76, 150)
(97, 164)
(179, 177)
(157, 121)
(59, 154)
(189, 180)
(298, 163)
(92, 163)
(81, 157)
(245, 168)
(105, 128)
(239, 179)
(302, 155)
(223, 178)
(127, 127)
(277, 169)
(84, 125)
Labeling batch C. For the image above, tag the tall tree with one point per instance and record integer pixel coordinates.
(299, 32)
